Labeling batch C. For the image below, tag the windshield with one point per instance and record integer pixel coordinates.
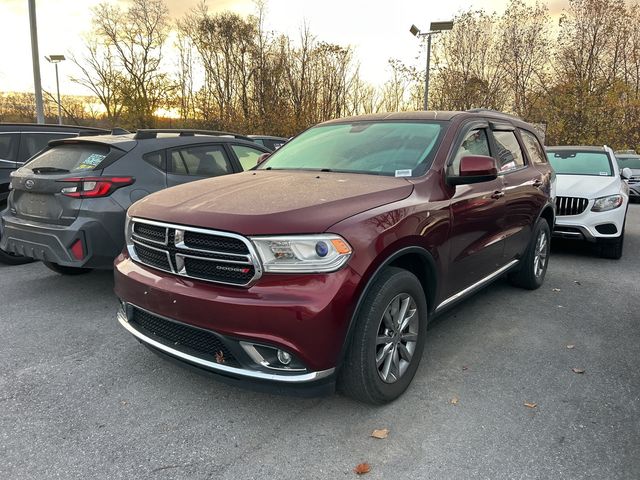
(572, 162)
(69, 158)
(401, 149)
(631, 161)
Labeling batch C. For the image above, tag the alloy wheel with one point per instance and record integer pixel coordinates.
(397, 337)
(541, 253)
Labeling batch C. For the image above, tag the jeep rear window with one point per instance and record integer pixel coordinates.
(76, 157)
(403, 149)
(573, 162)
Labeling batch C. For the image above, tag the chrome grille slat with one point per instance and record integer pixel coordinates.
(568, 206)
(223, 264)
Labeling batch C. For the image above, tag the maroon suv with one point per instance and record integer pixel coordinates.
(326, 263)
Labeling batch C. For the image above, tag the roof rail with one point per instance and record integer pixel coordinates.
(146, 133)
(119, 131)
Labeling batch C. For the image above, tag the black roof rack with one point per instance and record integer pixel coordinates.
(146, 133)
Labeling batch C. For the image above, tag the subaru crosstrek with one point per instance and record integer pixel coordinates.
(325, 264)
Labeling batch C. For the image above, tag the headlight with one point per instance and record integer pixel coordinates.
(603, 204)
(302, 253)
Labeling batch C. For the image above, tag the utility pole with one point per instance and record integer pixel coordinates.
(35, 56)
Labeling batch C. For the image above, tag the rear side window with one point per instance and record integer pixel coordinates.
(32, 143)
(156, 159)
(8, 146)
(533, 147)
(70, 158)
(248, 156)
(200, 161)
(509, 152)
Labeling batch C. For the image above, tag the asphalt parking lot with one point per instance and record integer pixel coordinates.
(80, 398)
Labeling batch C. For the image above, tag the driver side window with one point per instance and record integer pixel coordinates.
(475, 142)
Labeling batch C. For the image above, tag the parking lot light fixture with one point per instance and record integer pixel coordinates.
(56, 59)
(434, 28)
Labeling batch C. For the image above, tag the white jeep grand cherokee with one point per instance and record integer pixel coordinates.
(592, 198)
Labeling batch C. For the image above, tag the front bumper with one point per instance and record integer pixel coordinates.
(306, 316)
(52, 243)
(590, 225)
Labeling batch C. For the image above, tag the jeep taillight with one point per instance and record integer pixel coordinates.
(94, 187)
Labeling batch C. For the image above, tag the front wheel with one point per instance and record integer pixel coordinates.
(613, 248)
(534, 263)
(388, 339)
(62, 270)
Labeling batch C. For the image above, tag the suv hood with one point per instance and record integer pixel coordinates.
(587, 186)
(272, 202)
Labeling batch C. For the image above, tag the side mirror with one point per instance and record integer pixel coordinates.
(475, 169)
(626, 173)
(262, 158)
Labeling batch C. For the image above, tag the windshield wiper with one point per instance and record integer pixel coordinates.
(49, 170)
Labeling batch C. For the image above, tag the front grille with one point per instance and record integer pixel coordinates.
(215, 257)
(153, 257)
(185, 338)
(212, 242)
(635, 179)
(570, 205)
(149, 232)
(219, 272)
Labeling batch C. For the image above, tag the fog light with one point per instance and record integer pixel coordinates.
(283, 357)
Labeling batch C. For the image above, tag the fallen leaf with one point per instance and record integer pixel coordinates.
(530, 404)
(380, 434)
(454, 401)
(571, 347)
(464, 367)
(555, 289)
(220, 356)
(362, 468)
(577, 282)
(577, 370)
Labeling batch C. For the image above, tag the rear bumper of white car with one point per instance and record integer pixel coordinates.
(591, 226)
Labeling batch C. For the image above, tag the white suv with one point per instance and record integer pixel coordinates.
(592, 198)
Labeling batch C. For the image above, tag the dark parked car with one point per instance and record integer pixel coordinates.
(272, 143)
(18, 143)
(326, 262)
(67, 205)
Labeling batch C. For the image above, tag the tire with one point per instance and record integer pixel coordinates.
(613, 248)
(66, 270)
(361, 376)
(12, 259)
(534, 263)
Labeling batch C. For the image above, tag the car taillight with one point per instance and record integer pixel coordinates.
(94, 187)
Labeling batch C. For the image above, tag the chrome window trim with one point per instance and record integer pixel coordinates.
(476, 285)
(253, 258)
(241, 372)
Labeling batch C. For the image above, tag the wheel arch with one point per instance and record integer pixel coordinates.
(414, 259)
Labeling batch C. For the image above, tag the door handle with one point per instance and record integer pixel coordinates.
(537, 183)
(497, 194)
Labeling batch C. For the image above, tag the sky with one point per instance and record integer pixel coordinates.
(378, 30)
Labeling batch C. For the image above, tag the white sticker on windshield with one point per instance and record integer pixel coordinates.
(404, 173)
(604, 174)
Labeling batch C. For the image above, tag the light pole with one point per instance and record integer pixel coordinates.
(56, 59)
(37, 87)
(434, 28)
